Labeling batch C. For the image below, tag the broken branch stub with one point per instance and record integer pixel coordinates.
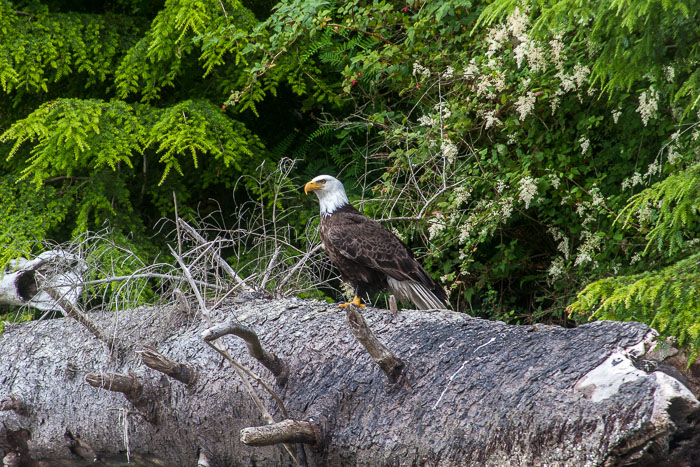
(145, 398)
(286, 431)
(256, 350)
(390, 364)
(127, 385)
(182, 372)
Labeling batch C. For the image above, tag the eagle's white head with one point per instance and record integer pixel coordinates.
(330, 192)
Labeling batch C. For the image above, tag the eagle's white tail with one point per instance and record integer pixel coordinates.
(416, 293)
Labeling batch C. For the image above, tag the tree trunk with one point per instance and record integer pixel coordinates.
(471, 392)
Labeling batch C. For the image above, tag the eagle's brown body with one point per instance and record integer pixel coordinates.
(369, 256)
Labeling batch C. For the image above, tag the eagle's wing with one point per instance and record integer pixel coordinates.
(365, 241)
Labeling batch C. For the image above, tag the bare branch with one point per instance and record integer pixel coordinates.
(73, 312)
(299, 264)
(286, 431)
(387, 361)
(241, 370)
(269, 360)
(220, 261)
(421, 213)
(150, 275)
(269, 267)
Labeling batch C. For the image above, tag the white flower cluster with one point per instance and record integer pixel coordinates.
(448, 73)
(462, 194)
(465, 230)
(563, 245)
(443, 111)
(525, 105)
(420, 72)
(490, 82)
(585, 143)
(491, 119)
(616, 114)
(554, 180)
(398, 234)
(506, 210)
(633, 181)
(670, 73)
(527, 190)
(531, 51)
(575, 80)
(558, 54)
(653, 169)
(554, 103)
(556, 269)
(518, 23)
(495, 38)
(500, 186)
(588, 248)
(426, 120)
(472, 70)
(648, 105)
(449, 150)
(436, 225)
(644, 213)
(674, 155)
(597, 198)
(585, 210)
(635, 258)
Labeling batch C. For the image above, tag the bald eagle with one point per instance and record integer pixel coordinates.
(370, 257)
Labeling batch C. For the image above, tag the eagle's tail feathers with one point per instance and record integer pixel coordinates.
(416, 293)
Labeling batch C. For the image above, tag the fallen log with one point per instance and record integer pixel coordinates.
(471, 392)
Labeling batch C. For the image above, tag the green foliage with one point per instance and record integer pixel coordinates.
(74, 143)
(527, 150)
(68, 135)
(667, 299)
(671, 206)
(517, 132)
(27, 217)
(40, 48)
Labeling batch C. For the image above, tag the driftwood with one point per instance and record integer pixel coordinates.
(472, 392)
(24, 282)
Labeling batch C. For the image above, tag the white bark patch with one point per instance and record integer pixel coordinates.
(605, 380)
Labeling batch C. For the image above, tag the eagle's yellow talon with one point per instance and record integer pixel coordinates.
(357, 301)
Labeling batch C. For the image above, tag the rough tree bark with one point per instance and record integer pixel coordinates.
(472, 392)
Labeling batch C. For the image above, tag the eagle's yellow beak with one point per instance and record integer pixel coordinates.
(312, 186)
